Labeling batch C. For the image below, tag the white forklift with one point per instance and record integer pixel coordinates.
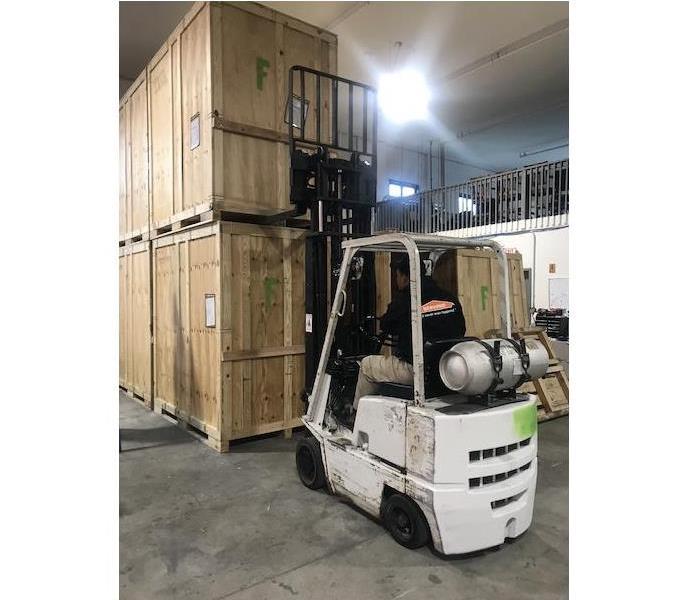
(452, 458)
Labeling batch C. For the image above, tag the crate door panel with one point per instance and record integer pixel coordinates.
(160, 92)
(305, 50)
(122, 171)
(298, 288)
(267, 292)
(123, 323)
(141, 324)
(170, 349)
(477, 295)
(138, 112)
(474, 276)
(252, 180)
(518, 295)
(203, 282)
(267, 391)
(196, 110)
(249, 68)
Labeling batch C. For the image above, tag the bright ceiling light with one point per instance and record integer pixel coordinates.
(404, 96)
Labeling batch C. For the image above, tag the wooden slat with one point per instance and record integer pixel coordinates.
(218, 122)
(263, 353)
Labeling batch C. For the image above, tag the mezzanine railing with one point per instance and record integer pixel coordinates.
(533, 197)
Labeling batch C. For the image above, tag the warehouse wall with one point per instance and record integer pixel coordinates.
(541, 250)
(412, 165)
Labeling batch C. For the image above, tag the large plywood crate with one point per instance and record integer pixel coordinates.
(473, 275)
(216, 106)
(229, 329)
(135, 348)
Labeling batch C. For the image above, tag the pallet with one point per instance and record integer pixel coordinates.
(140, 235)
(210, 435)
(553, 389)
(136, 397)
(214, 210)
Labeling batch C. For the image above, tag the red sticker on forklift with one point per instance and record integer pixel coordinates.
(436, 305)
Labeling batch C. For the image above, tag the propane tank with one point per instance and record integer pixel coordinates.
(468, 367)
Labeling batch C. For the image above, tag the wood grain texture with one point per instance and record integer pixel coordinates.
(122, 172)
(138, 206)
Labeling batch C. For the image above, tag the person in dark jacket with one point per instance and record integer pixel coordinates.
(441, 317)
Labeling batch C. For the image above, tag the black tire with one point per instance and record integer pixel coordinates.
(310, 463)
(405, 521)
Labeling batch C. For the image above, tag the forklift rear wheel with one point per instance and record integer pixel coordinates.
(405, 521)
(310, 463)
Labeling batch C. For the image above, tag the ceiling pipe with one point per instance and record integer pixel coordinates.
(512, 48)
(524, 154)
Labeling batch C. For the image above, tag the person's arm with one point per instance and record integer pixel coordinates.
(396, 312)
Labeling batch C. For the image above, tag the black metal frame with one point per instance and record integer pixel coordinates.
(335, 183)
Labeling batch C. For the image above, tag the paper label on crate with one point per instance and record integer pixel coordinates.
(194, 132)
(309, 322)
(210, 310)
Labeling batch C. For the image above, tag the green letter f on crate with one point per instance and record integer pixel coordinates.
(261, 66)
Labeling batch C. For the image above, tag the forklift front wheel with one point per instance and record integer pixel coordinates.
(310, 463)
(405, 521)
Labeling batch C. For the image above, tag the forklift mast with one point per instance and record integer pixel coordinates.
(333, 182)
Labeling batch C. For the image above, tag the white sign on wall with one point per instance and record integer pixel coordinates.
(559, 292)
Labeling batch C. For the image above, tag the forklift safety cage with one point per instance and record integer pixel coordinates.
(413, 245)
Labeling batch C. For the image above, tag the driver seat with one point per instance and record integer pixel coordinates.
(396, 390)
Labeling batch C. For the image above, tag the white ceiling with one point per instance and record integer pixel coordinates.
(501, 106)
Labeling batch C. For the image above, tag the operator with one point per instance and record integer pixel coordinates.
(442, 318)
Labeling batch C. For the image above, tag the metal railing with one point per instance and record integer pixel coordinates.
(533, 197)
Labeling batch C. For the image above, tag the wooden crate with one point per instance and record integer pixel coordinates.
(553, 389)
(229, 329)
(473, 276)
(216, 101)
(134, 220)
(135, 348)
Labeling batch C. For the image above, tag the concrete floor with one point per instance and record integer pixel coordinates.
(197, 524)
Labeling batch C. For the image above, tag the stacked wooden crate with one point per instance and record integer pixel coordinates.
(473, 276)
(203, 146)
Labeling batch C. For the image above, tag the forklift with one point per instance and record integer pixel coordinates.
(452, 458)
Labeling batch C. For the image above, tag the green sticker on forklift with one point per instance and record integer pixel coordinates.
(525, 421)
(484, 296)
(261, 66)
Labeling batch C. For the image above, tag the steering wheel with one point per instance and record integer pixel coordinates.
(379, 340)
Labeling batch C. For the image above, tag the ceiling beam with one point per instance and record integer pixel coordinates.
(516, 46)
